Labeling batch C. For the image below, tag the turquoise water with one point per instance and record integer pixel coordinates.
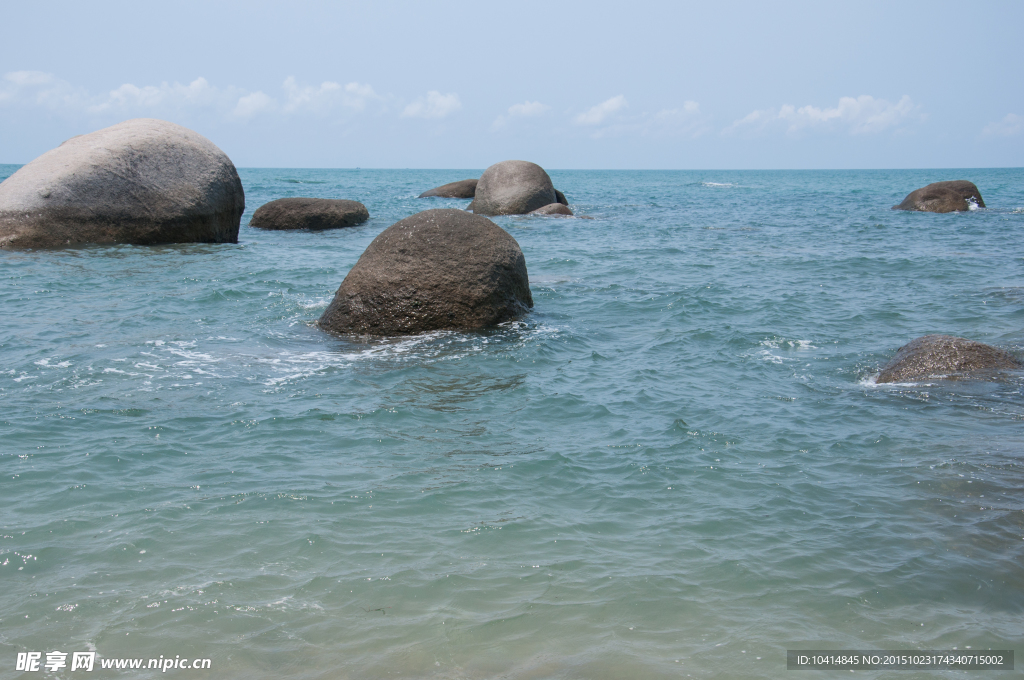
(677, 466)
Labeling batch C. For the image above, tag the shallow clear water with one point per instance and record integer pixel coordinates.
(677, 465)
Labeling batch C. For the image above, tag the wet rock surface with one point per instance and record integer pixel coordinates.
(943, 197)
(462, 189)
(438, 269)
(946, 356)
(309, 213)
(553, 209)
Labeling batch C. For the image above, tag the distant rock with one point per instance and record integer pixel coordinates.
(142, 182)
(438, 269)
(309, 213)
(943, 197)
(945, 356)
(553, 209)
(465, 188)
(513, 188)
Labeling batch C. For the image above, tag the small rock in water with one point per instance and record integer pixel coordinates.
(309, 213)
(945, 356)
(462, 189)
(438, 269)
(943, 197)
(557, 209)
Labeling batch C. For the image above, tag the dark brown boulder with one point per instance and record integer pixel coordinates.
(945, 356)
(462, 189)
(309, 213)
(513, 188)
(143, 181)
(560, 197)
(438, 269)
(553, 209)
(943, 197)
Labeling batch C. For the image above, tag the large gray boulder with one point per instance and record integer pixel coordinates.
(465, 188)
(513, 188)
(143, 181)
(309, 213)
(943, 197)
(438, 269)
(945, 356)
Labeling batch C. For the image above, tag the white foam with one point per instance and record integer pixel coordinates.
(718, 184)
(315, 304)
(872, 381)
(46, 364)
(781, 343)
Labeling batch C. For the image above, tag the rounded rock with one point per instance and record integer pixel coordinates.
(945, 356)
(513, 188)
(309, 213)
(465, 188)
(436, 270)
(553, 209)
(143, 181)
(943, 197)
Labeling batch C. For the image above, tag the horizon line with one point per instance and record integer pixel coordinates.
(356, 168)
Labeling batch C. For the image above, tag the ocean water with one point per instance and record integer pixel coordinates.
(678, 465)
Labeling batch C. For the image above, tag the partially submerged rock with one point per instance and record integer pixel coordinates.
(560, 197)
(309, 213)
(945, 356)
(513, 188)
(943, 197)
(553, 209)
(143, 181)
(465, 188)
(438, 269)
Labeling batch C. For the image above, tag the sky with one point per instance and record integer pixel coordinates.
(568, 85)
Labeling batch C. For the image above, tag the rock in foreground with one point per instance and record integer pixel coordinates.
(309, 213)
(142, 182)
(513, 188)
(945, 356)
(462, 189)
(438, 269)
(553, 209)
(943, 197)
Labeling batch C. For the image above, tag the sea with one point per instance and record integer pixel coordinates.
(677, 465)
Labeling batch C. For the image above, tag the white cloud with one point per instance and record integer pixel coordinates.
(433, 105)
(859, 115)
(199, 94)
(34, 88)
(1010, 125)
(527, 109)
(327, 96)
(597, 114)
(686, 121)
(22, 78)
(251, 104)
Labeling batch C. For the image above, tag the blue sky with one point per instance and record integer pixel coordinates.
(565, 84)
